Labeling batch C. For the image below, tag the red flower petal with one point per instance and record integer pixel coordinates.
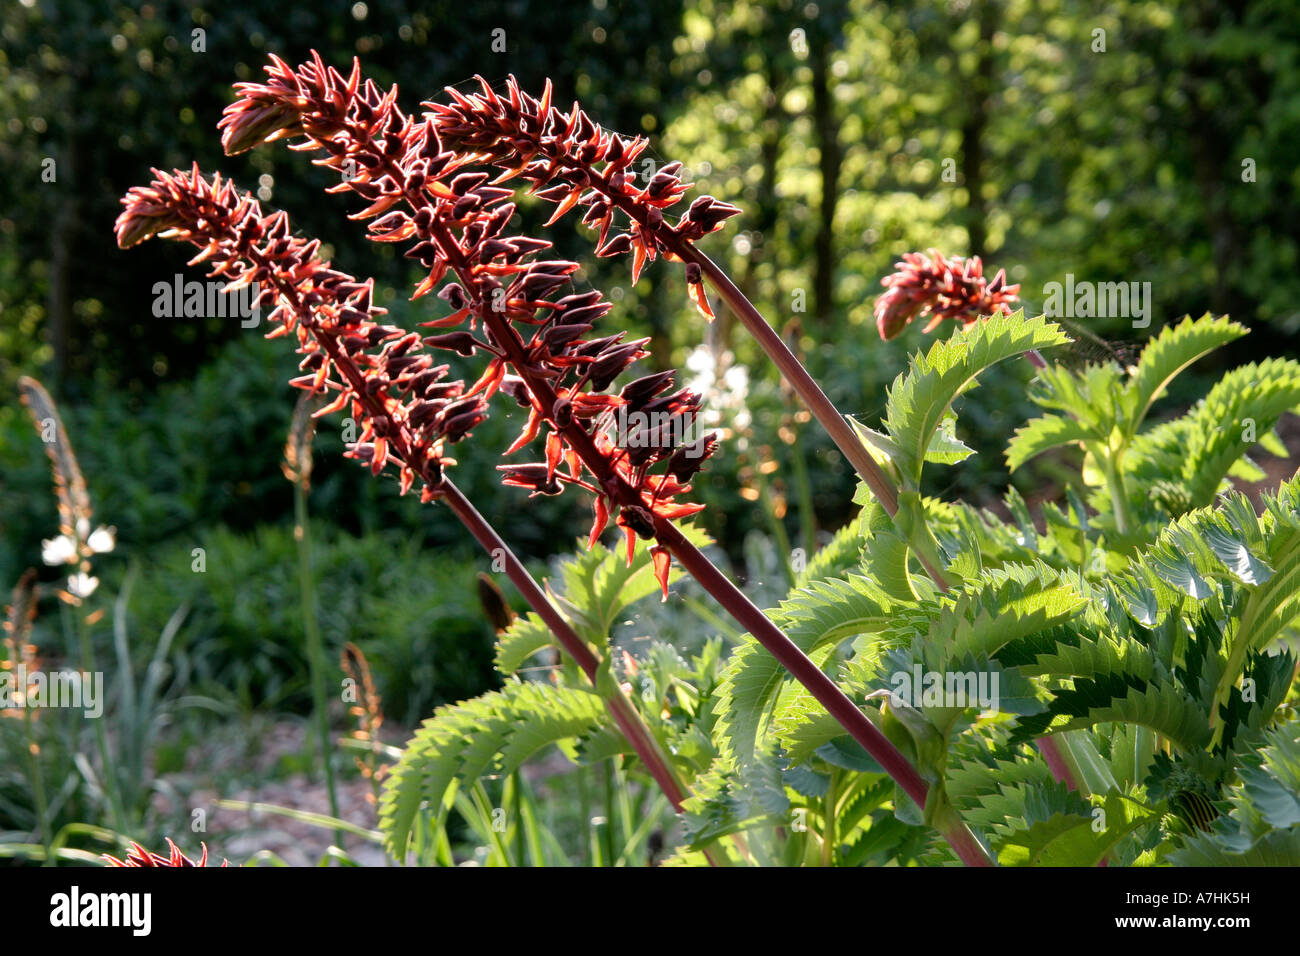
(663, 560)
(598, 526)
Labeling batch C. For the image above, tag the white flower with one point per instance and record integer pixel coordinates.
(101, 540)
(82, 585)
(60, 550)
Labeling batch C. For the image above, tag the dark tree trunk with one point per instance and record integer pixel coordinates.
(979, 90)
(766, 211)
(831, 158)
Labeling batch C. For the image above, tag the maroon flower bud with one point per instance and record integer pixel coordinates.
(638, 519)
(465, 182)
(689, 459)
(516, 388)
(456, 427)
(640, 391)
(461, 342)
(594, 347)
(558, 336)
(617, 246)
(536, 477)
(610, 363)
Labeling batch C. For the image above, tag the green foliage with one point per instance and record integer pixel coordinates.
(1153, 657)
(495, 733)
(1148, 654)
(920, 399)
(1168, 354)
(463, 742)
(598, 586)
(1262, 826)
(1150, 474)
(823, 614)
(414, 613)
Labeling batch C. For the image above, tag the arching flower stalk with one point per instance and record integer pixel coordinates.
(569, 160)
(938, 288)
(536, 352)
(409, 412)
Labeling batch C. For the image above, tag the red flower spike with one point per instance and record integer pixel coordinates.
(938, 288)
(577, 163)
(454, 219)
(328, 311)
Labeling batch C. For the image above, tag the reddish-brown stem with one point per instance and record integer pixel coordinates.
(825, 690)
(805, 386)
(836, 426)
(792, 369)
(794, 660)
(629, 722)
(1050, 748)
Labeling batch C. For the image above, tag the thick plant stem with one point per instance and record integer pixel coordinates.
(825, 690)
(1115, 487)
(828, 822)
(715, 582)
(968, 849)
(836, 425)
(628, 720)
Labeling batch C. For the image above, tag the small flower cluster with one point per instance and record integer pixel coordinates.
(557, 153)
(140, 857)
(410, 413)
(502, 291)
(76, 548)
(951, 288)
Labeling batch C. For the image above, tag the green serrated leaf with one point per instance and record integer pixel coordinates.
(920, 398)
(1043, 434)
(1175, 348)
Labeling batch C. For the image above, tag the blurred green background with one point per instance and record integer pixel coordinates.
(1130, 141)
